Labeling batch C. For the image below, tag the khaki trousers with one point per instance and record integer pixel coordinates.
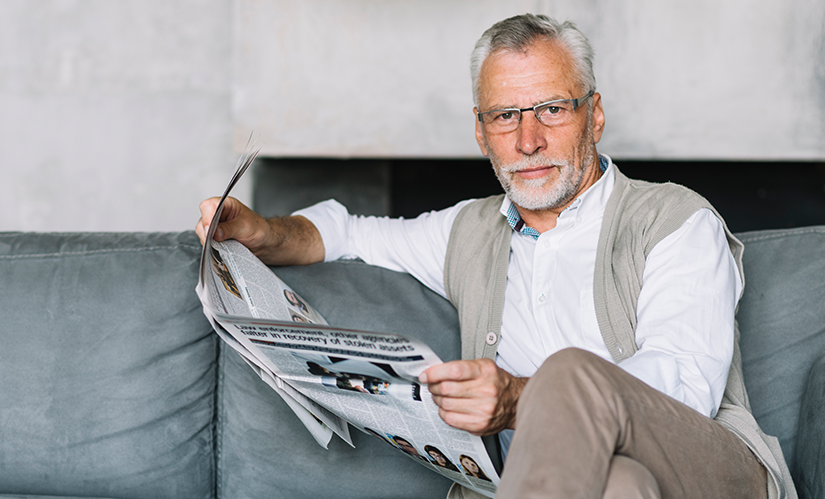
(587, 429)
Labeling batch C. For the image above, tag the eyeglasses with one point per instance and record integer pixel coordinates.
(551, 113)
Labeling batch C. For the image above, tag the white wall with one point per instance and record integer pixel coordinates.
(122, 115)
(114, 115)
(722, 79)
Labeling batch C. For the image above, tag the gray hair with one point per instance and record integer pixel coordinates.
(517, 33)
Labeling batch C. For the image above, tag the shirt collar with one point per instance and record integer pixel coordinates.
(590, 203)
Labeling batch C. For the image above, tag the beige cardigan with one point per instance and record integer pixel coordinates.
(638, 215)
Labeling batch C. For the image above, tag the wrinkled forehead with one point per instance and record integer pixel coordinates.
(542, 71)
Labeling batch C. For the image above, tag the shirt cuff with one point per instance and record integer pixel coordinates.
(330, 218)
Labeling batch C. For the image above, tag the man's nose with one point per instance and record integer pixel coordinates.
(531, 134)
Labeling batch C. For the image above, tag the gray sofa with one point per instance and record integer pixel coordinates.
(113, 385)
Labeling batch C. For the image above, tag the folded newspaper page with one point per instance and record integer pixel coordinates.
(331, 377)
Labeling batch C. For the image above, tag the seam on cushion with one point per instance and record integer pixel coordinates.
(94, 252)
(348, 261)
(781, 234)
(212, 425)
(17, 233)
(218, 418)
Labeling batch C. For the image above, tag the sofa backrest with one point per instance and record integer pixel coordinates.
(111, 384)
(263, 449)
(107, 367)
(782, 323)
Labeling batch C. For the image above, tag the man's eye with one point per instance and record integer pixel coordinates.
(506, 116)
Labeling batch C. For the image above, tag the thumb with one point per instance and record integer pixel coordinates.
(245, 227)
(227, 230)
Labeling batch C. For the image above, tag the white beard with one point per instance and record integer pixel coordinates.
(541, 193)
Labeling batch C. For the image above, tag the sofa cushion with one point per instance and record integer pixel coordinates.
(810, 448)
(265, 452)
(107, 367)
(782, 324)
(18, 496)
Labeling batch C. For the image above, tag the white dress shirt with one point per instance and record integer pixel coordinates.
(685, 312)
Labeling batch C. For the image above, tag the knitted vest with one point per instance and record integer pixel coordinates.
(638, 215)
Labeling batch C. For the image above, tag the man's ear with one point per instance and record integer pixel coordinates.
(479, 134)
(598, 118)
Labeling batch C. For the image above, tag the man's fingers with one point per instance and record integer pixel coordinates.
(465, 405)
(207, 209)
(467, 422)
(469, 389)
(234, 222)
(457, 370)
(200, 230)
(474, 395)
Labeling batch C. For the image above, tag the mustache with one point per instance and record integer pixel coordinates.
(533, 162)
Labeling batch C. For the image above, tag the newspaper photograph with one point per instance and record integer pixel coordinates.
(333, 377)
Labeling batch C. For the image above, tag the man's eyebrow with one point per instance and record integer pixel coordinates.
(495, 107)
(536, 103)
(551, 99)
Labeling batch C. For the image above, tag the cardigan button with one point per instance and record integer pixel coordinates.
(491, 338)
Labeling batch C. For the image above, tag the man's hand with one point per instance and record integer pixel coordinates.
(276, 241)
(474, 395)
(237, 222)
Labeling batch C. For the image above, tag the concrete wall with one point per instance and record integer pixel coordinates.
(114, 115)
(721, 79)
(122, 115)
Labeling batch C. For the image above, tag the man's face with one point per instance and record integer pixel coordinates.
(539, 167)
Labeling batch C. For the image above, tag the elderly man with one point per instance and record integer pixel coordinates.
(597, 312)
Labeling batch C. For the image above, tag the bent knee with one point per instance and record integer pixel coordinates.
(571, 371)
(573, 354)
(566, 361)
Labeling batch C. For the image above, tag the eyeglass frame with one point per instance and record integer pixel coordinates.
(576, 103)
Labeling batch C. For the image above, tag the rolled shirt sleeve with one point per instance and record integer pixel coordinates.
(330, 218)
(417, 246)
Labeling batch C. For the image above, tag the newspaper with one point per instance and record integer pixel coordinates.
(332, 378)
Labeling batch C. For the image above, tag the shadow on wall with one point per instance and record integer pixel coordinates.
(750, 195)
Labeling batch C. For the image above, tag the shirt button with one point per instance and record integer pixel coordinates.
(542, 298)
(491, 338)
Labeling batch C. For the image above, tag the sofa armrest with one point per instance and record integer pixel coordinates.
(108, 367)
(18, 496)
(809, 473)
